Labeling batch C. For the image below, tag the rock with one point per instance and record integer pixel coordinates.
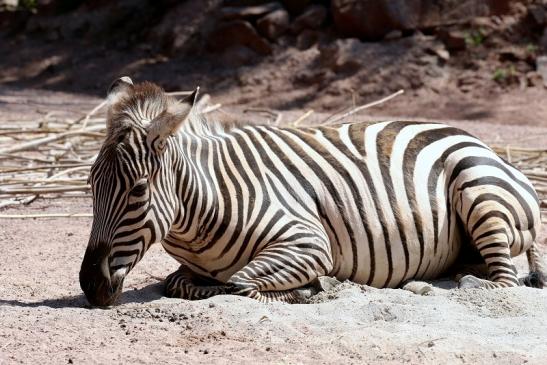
(364, 19)
(536, 13)
(512, 54)
(312, 18)
(373, 19)
(394, 34)
(533, 78)
(296, 6)
(306, 39)
(248, 12)
(541, 67)
(453, 40)
(237, 32)
(441, 53)
(274, 24)
(343, 56)
(176, 29)
(325, 283)
(418, 287)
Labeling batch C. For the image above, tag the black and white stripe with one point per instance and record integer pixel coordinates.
(261, 211)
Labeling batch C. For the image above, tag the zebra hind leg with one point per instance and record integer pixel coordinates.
(493, 229)
(537, 278)
(501, 272)
(183, 284)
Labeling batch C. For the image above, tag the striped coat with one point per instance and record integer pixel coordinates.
(263, 211)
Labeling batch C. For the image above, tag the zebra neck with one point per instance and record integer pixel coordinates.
(200, 188)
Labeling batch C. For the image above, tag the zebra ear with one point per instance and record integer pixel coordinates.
(118, 89)
(169, 122)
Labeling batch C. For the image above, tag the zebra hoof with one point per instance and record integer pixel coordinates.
(418, 287)
(534, 280)
(469, 282)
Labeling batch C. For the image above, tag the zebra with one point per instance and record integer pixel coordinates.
(264, 211)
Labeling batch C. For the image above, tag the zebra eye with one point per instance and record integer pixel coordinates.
(140, 188)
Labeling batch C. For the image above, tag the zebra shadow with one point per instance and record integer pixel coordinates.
(145, 294)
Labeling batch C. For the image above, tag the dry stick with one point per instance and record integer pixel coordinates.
(95, 110)
(35, 143)
(16, 157)
(211, 108)
(42, 167)
(369, 105)
(26, 182)
(302, 117)
(57, 189)
(179, 93)
(274, 114)
(52, 215)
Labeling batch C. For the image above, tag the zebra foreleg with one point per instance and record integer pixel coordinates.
(283, 273)
(186, 284)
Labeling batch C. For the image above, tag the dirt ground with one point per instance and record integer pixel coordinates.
(492, 88)
(44, 317)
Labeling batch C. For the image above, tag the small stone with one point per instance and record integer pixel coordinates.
(453, 40)
(394, 34)
(312, 18)
(418, 287)
(306, 39)
(246, 12)
(442, 53)
(273, 24)
(325, 283)
(533, 79)
(212, 305)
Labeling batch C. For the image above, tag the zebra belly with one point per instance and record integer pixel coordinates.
(385, 248)
(386, 265)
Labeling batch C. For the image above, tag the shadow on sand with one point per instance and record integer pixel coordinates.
(146, 294)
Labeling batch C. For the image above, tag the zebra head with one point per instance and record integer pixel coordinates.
(133, 185)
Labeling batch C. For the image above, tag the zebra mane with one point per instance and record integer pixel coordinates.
(144, 102)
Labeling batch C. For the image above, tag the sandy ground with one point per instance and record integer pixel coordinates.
(44, 317)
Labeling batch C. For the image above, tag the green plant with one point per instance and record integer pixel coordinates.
(531, 48)
(30, 5)
(474, 37)
(502, 74)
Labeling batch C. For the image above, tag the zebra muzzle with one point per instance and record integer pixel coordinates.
(99, 286)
